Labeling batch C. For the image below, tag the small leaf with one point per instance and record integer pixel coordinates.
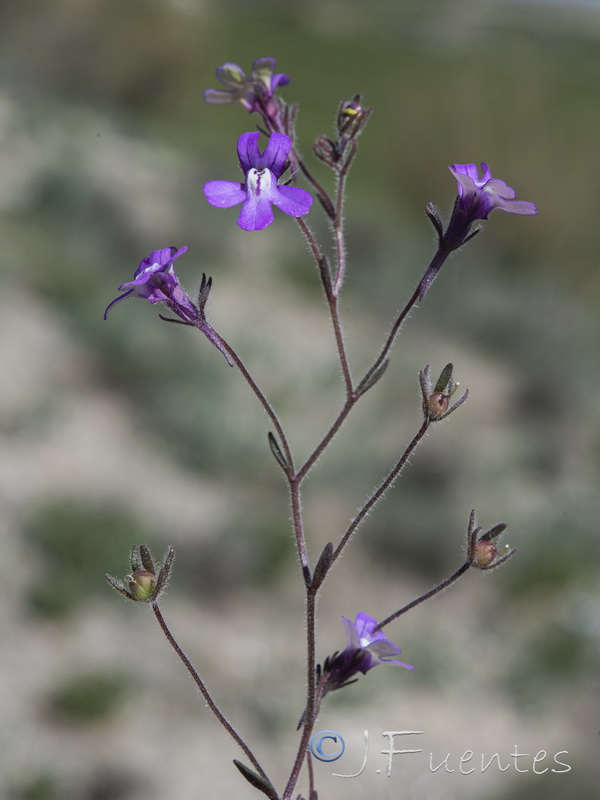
(147, 558)
(436, 221)
(203, 292)
(494, 532)
(260, 783)
(276, 450)
(134, 558)
(322, 567)
(374, 378)
(444, 379)
(165, 571)
(118, 585)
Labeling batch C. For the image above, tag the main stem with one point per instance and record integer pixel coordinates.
(311, 709)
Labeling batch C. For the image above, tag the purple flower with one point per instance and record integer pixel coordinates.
(362, 634)
(477, 197)
(260, 190)
(253, 92)
(155, 280)
(365, 649)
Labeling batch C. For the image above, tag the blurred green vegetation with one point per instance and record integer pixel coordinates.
(72, 540)
(39, 787)
(87, 699)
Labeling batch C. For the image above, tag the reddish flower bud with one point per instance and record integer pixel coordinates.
(437, 405)
(484, 554)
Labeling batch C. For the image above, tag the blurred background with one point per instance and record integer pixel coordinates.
(130, 431)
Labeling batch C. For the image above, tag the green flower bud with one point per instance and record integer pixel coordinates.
(142, 584)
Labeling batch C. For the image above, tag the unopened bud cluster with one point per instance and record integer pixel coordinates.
(351, 118)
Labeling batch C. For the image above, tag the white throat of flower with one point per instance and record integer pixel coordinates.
(260, 181)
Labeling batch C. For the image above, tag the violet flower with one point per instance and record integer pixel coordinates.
(255, 92)
(260, 190)
(155, 280)
(365, 649)
(477, 197)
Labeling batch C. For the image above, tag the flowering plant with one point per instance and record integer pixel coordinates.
(265, 185)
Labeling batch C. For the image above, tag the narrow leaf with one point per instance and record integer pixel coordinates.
(276, 450)
(494, 532)
(374, 378)
(322, 567)
(260, 783)
(165, 571)
(147, 558)
(444, 378)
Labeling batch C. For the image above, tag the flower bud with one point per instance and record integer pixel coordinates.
(437, 405)
(351, 118)
(142, 584)
(484, 554)
(326, 150)
(146, 581)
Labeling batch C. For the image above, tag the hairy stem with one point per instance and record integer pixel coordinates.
(380, 491)
(322, 446)
(295, 501)
(431, 593)
(204, 691)
(435, 265)
(338, 230)
(332, 302)
(262, 400)
(311, 704)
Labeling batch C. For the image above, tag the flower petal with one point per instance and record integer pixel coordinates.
(224, 194)
(293, 201)
(256, 213)
(219, 97)
(466, 185)
(472, 172)
(275, 154)
(518, 207)
(115, 301)
(499, 189)
(392, 661)
(262, 71)
(248, 152)
(351, 634)
(281, 79)
(232, 75)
